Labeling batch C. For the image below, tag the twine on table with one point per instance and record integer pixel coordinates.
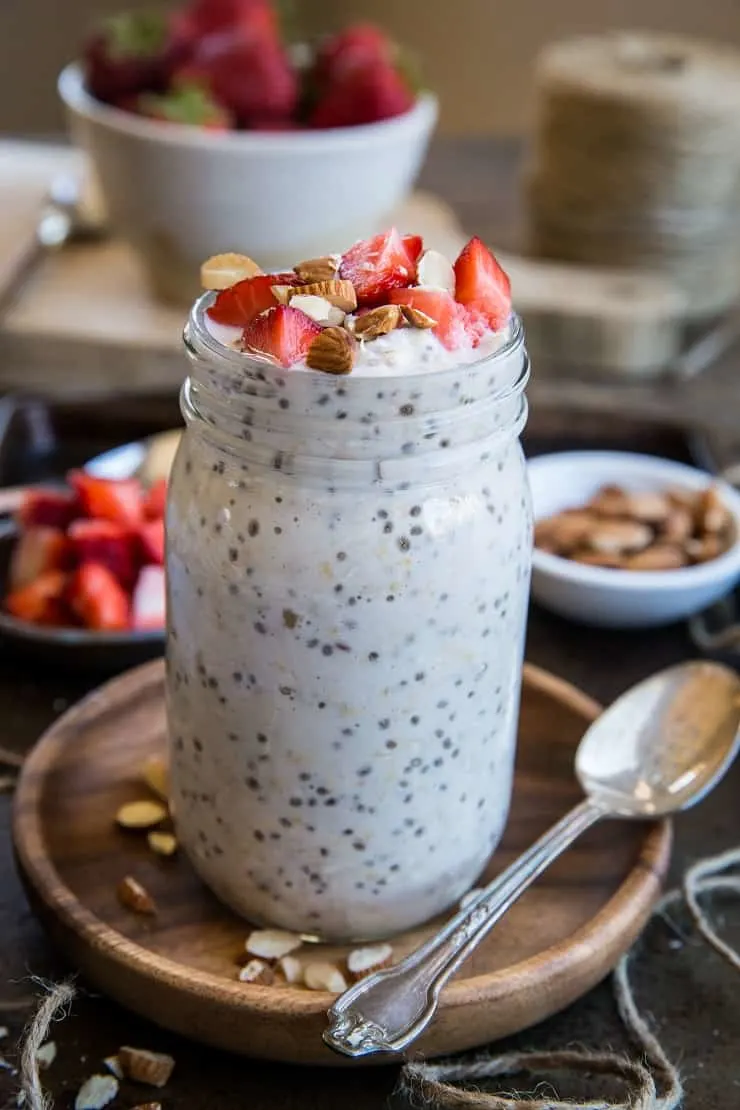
(53, 1007)
(652, 1083)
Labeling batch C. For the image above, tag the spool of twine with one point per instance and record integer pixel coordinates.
(635, 160)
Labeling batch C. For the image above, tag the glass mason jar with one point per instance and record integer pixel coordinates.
(348, 572)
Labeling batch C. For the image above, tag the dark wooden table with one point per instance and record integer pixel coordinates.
(690, 993)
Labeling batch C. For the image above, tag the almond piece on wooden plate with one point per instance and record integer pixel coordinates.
(712, 515)
(436, 271)
(272, 944)
(224, 270)
(134, 896)
(660, 556)
(333, 351)
(364, 961)
(144, 1066)
(156, 774)
(617, 536)
(321, 976)
(162, 843)
(144, 814)
(318, 308)
(290, 969)
(257, 971)
(318, 269)
(416, 318)
(378, 321)
(96, 1092)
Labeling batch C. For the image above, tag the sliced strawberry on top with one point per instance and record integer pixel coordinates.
(377, 265)
(114, 546)
(49, 507)
(38, 550)
(151, 541)
(283, 333)
(119, 500)
(451, 327)
(41, 601)
(480, 283)
(238, 305)
(155, 500)
(414, 245)
(148, 603)
(98, 599)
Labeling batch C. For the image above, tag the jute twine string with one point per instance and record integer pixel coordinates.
(651, 1083)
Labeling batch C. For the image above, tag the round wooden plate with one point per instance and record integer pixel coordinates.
(180, 968)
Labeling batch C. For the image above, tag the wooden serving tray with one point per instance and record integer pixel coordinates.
(180, 968)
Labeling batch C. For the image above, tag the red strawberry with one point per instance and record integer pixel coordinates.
(186, 103)
(252, 19)
(39, 549)
(148, 604)
(151, 541)
(107, 498)
(98, 599)
(50, 507)
(414, 245)
(481, 284)
(251, 77)
(131, 53)
(155, 500)
(451, 329)
(238, 305)
(353, 47)
(112, 545)
(377, 265)
(366, 93)
(42, 601)
(283, 333)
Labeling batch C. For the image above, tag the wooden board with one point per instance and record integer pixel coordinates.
(180, 968)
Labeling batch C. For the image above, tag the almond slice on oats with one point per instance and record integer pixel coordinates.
(321, 976)
(144, 1066)
(224, 270)
(364, 961)
(378, 321)
(318, 308)
(156, 774)
(144, 814)
(162, 843)
(96, 1092)
(318, 269)
(134, 896)
(291, 969)
(416, 318)
(436, 271)
(257, 971)
(272, 944)
(334, 350)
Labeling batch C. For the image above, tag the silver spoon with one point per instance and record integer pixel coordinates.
(659, 748)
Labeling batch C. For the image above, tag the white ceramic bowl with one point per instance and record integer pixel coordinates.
(180, 194)
(623, 598)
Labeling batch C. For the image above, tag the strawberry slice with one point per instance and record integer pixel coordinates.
(377, 265)
(41, 601)
(148, 605)
(414, 245)
(112, 545)
(481, 284)
(98, 599)
(238, 305)
(119, 500)
(48, 507)
(283, 333)
(451, 329)
(37, 551)
(151, 541)
(155, 500)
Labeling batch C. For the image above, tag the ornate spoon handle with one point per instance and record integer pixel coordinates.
(388, 1010)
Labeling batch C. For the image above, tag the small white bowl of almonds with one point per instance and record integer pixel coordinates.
(630, 541)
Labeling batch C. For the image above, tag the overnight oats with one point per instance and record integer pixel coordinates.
(349, 545)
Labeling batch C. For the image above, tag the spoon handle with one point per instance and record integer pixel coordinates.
(388, 1010)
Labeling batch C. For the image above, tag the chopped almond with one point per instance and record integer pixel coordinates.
(291, 969)
(143, 1066)
(321, 976)
(162, 843)
(257, 971)
(96, 1092)
(364, 961)
(141, 815)
(272, 944)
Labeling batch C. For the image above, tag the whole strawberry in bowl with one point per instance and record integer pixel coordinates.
(208, 127)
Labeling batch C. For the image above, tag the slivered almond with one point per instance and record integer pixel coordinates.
(364, 961)
(378, 321)
(291, 969)
(416, 318)
(134, 896)
(143, 1066)
(318, 308)
(144, 814)
(435, 270)
(272, 944)
(334, 351)
(257, 971)
(321, 976)
(224, 270)
(155, 774)
(162, 843)
(318, 269)
(96, 1092)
